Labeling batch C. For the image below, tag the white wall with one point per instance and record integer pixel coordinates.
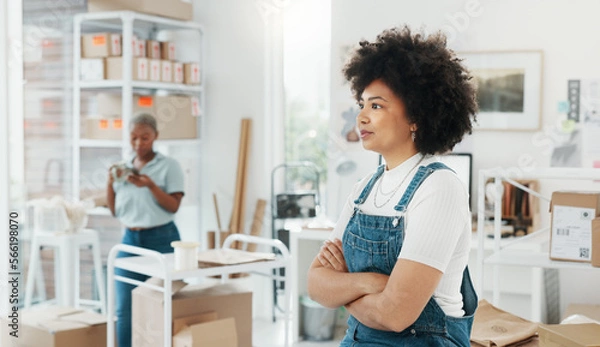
(562, 29)
(238, 43)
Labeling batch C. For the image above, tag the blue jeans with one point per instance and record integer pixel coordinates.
(158, 239)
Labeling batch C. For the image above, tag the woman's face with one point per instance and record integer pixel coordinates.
(383, 124)
(142, 137)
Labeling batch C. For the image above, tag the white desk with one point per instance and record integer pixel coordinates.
(155, 264)
(304, 246)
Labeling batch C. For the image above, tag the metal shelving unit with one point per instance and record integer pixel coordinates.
(147, 27)
(527, 251)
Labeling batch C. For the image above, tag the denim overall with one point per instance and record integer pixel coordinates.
(372, 244)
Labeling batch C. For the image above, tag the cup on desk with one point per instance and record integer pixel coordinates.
(186, 256)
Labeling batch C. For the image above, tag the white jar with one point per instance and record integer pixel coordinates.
(186, 256)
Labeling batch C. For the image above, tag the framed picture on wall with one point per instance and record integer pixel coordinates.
(509, 88)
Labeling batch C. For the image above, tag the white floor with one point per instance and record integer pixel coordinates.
(268, 334)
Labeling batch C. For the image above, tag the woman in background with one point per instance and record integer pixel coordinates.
(145, 201)
(397, 257)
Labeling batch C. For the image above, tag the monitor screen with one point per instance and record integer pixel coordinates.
(462, 164)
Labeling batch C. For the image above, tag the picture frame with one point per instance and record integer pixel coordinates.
(509, 88)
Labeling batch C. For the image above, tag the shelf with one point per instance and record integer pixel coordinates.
(90, 143)
(114, 84)
(532, 259)
(143, 21)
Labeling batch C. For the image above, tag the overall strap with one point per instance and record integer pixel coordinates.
(367, 189)
(415, 183)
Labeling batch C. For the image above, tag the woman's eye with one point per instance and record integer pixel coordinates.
(361, 106)
(375, 106)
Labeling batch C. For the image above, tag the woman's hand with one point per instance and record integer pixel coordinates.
(331, 256)
(140, 180)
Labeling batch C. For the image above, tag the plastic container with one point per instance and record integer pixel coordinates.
(186, 256)
(318, 322)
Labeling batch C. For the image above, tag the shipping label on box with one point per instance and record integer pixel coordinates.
(571, 233)
(154, 70)
(95, 45)
(91, 69)
(571, 225)
(167, 71)
(141, 44)
(178, 72)
(195, 101)
(115, 45)
(152, 49)
(167, 50)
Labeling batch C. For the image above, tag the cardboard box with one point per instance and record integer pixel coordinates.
(174, 117)
(178, 72)
(217, 333)
(91, 69)
(154, 70)
(153, 49)
(227, 300)
(57, 327)
(114, 68)
(571, 229)
(569, 335)
(192, 73)
(596, 243)
(166, 68)
(167, 50)
(178, 9)
(102, 128)
(100, 45)
(588, 310)
(110, 105)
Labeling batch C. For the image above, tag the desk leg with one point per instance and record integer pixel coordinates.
(295, 317)
(286, 304)
(110, 302)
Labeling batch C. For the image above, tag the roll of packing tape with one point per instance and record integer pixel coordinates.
(186, 257)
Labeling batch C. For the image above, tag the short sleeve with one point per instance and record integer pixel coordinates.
(175, 178)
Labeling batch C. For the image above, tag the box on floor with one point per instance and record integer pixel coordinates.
(227, 300)
(178, 9)
(571, 229)
(569, 335)
(57, 327)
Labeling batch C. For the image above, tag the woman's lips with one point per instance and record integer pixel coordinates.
(364, 133)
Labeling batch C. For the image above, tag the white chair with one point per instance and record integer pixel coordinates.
(49, 230)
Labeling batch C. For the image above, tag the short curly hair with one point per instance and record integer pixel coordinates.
(427, 76)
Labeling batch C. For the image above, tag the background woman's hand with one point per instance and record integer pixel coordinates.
(331, 256)
(140, 180)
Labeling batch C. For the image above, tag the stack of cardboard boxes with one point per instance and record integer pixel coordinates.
(175, 115)
(208, 316)
(102, 58)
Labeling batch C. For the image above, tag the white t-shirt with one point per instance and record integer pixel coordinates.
(437, 228)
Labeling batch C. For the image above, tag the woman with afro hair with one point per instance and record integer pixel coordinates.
(397, 258)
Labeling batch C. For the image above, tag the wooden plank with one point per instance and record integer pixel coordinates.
(257, 222)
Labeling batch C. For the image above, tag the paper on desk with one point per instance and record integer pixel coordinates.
(227, 256)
